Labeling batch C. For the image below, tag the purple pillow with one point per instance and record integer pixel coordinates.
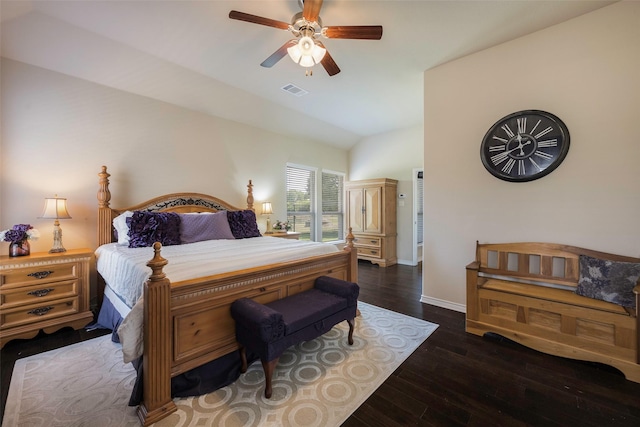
(243, 224)
(146, 228)
(199, 227)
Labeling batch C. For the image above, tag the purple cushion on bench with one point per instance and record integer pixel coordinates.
(296, 311)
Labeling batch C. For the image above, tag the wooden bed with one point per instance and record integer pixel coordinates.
(188, 323)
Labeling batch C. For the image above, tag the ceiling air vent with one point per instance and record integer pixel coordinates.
(294, 90)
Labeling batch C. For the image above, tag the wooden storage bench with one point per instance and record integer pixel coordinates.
(526, 293)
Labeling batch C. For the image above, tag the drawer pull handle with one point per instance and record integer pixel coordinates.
(40, 311)
(374, 241)
(40, 274)
(374, 252)
(40, 292)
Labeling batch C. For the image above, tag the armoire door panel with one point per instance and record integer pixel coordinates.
(373, 210)
(356, 207)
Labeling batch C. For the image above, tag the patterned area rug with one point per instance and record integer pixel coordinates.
(316, 383)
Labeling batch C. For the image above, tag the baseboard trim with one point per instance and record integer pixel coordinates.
(408, 262)
(462, 308)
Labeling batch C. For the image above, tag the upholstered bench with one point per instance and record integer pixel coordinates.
(267, 330)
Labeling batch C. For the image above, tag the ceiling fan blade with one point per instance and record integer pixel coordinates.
(328, 63)
(278, 54)
(254, 19)
(311, 10)
(363, 32)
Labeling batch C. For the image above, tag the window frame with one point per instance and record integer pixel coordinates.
(339, 213)
(313, 202)
(315, 198)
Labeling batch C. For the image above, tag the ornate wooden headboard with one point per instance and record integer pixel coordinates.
(175, 202)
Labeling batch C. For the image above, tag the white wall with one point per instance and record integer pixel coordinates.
(57, 131)
(392, 155)
(586, 72)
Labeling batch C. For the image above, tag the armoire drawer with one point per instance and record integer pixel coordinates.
(370, 252)
(362, 241)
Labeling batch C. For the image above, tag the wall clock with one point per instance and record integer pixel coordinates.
(525, 145)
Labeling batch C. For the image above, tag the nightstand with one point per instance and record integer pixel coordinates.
(43, 291)
(285, 234)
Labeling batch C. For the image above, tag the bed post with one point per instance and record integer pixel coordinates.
(353, 252)
(156, 362)
(105, 235)
(250, 196)
(105, 218)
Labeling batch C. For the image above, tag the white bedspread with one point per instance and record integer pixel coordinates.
(125, 270)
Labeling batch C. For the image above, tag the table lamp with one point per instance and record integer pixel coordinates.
(267, 209)
(56, 208)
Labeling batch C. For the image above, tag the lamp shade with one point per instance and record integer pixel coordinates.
(55, 208)
(267, 209)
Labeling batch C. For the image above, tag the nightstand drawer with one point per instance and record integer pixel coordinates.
(370, 252)
(36, 294)
(39, 274)
(367, 241)
(37, 312)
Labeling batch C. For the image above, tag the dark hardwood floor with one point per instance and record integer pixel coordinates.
(453, 378)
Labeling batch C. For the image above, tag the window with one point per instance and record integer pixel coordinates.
(301, 201)
(325, 224)
(332, 206)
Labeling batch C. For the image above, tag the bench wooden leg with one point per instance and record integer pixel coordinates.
(351, 324)
(268, 368)
(243, 359)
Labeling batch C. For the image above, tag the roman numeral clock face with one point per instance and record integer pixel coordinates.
(524, 146)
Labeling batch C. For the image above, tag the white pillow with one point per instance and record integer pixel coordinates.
(122, 229)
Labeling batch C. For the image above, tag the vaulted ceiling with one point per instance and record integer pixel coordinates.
(191, 54)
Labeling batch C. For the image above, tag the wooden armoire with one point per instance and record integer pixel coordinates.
(371, 213)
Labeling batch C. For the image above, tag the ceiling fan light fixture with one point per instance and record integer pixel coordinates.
(306, 52)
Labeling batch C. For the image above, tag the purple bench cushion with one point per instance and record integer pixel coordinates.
(339, 287)
(296, 309)
(257, 319)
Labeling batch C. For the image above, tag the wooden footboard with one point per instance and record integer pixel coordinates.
(187, 324)
(526, 292)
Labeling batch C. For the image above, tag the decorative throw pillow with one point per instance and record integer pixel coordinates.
(146, 228)
(204, 226)
(243, 224)
(608, 280)
(122, 228)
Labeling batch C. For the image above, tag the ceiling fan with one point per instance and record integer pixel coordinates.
(306, 26)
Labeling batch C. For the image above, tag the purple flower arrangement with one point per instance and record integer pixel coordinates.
(19, 233)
